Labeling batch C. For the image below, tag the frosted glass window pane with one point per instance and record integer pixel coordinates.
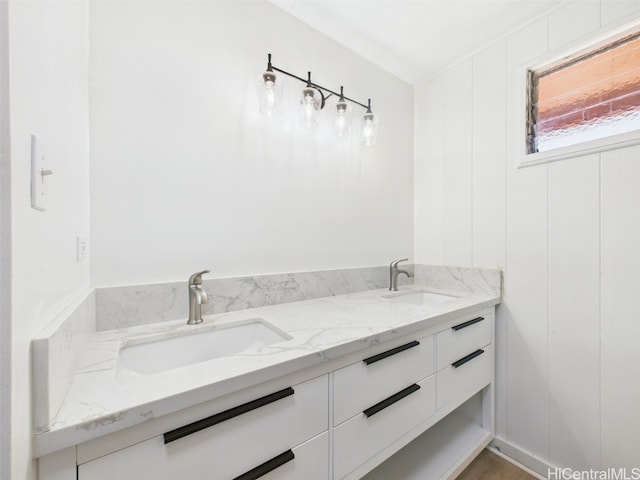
(589, 97)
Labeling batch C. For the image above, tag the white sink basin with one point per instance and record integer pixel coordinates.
(419, 297)
(150, 356)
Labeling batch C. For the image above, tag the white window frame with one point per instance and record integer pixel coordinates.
(612, 142)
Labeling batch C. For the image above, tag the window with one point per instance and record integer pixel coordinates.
(590, 96)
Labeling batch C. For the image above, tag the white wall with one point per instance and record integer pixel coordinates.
(49, 97)
(186, 174)
(567, 235)
(5, 250)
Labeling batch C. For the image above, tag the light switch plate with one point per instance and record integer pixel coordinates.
(82, 248)
(39, 175)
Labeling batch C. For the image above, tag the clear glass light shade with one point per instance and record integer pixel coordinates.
(369, 128)
(342, 125)
(269, 90)
(310, 104)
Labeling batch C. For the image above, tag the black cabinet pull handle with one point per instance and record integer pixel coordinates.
(267, 466)
(388, 353)
(468, 358)
(391, 400)
(467, 324)
(226, 415)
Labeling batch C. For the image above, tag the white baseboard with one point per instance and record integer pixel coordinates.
(521, 458)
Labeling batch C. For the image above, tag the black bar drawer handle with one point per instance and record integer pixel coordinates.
(468, 358)
(388, 353)
(391, 400)
(226, 415)
(467, 324)
(267, 466)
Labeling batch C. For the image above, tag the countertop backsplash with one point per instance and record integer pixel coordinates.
(461, 279)
(56, 353)
(127, 306)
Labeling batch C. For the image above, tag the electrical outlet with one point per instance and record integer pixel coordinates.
(82, 248)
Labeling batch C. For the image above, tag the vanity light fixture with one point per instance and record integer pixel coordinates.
(312, 101)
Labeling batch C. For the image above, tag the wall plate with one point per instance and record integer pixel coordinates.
(82, 247)
(39, 174)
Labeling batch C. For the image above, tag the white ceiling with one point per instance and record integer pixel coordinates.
(414, 39)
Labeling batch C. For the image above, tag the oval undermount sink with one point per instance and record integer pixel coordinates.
(150, 356)
(420, 297)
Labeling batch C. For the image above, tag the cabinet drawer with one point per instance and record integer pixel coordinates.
(363, 384)
(310, 462)
(465, 336)
(227, 449)
(473, 371)
(361, 438)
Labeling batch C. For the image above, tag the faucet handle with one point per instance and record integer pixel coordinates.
(395, 263)
(196, 278)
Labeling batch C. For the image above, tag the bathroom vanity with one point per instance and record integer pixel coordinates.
(368, 385)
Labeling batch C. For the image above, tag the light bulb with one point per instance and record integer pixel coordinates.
(340, 124)
(367, 131)
(309, 108)
(270, 96)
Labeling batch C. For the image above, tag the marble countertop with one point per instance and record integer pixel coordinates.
(100, 401)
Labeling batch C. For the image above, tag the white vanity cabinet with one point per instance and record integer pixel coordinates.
(417, 407)
(280, 436)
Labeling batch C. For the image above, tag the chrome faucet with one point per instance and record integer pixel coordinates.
(394, 271)
(197, 296)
